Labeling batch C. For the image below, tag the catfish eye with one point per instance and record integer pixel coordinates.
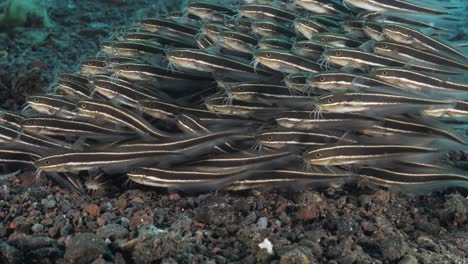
(330, 100)
(103, 84)
(268, 54)
(318, 155)
(306, 23)
(322, 79)
(306, 46)
(338, 53)
(384, 73)
(151, 105)
(384, 46)
(324, 38)
(179, 53)
(83, 106)
(230, 35)
(36, 100)
(46, 162)
(126, 68)
(269, 137)
(394, 28)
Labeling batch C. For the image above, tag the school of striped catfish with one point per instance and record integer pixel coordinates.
(248, 94)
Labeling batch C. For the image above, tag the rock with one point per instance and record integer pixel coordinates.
(310, 204)
(37, 193)
(112, 231)
(262, 222)
(140, 218)
(163, 245)
(37, 228)
(216, 213)
(92, 210)
(315, 247)
(409, 259)
(28, 244)
(99, 260)
(148, 231)
(393, 248)
(428, 227)
(85, 248)
(349, 259)
(51, 204)
(66, 230)
(297, 255)
(368, 227)
(250, 236)
(9, 254)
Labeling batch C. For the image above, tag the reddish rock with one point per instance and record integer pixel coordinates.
(281, 208)
(92, 210)
(138, 219)
(174, 197)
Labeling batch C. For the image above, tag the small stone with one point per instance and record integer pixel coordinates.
(428, 227)
(100, 221)
(92, 210)
(51, 204)
(297, 255)
(85, 248)
(174, 197)
(409, 259)
(37, 228)
(155, 248)
(112, 231)
(66, 230)
(47, 222)
(368, 227)
(262, 222)
(349, 259)
(169, 261)
(315, 247)
(148, 231)
(125, 222)
(393, 248)
(138, 219)
(216, 213)
(99, 260)
(53, 232)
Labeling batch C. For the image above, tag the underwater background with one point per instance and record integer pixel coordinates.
(44, 222)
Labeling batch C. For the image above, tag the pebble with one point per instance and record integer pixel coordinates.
(162, 245)
(112, 231)
(297, 255)
(409, 259)
(50, 204)
(37, 228)
(66, 230)
(85, 248)
(262, 222)
(393, 248)
(216, 213)
(92, 210)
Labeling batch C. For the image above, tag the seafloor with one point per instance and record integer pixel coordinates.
(42, 223)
